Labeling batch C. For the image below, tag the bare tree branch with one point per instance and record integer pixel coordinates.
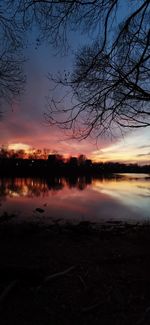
(110, 83)
(11, 62)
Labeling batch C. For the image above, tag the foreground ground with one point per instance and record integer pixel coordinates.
(72, 275)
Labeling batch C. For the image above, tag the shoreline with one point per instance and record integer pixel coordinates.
(74, 274)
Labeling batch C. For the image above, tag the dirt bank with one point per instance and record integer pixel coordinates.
(72, 275)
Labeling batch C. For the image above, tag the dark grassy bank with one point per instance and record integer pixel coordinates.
(74, 274)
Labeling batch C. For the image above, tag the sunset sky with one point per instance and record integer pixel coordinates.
(23, 125)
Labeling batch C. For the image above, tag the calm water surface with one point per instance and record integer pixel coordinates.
(125, 197)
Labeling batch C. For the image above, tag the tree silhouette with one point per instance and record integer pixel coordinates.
(110, 83)
(11, 62)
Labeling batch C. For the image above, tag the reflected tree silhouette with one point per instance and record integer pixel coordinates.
(39, 187)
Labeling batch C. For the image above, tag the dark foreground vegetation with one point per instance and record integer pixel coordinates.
(56, 165)
(74, 274)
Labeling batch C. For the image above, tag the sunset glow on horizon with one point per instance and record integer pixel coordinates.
(126, 150)
(23, 126)
(19, 146)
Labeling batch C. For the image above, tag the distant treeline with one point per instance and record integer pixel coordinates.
(56, 165)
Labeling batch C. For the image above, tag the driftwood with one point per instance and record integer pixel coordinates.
(7, 291)
(91, 307)
(82, 282)
(54, 276)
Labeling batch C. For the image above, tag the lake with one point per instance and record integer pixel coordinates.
(123, 197)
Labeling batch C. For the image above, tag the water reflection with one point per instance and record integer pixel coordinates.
(34, 187)
(31, 187)
(119, 197)
(133, 192)
(20, 187)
